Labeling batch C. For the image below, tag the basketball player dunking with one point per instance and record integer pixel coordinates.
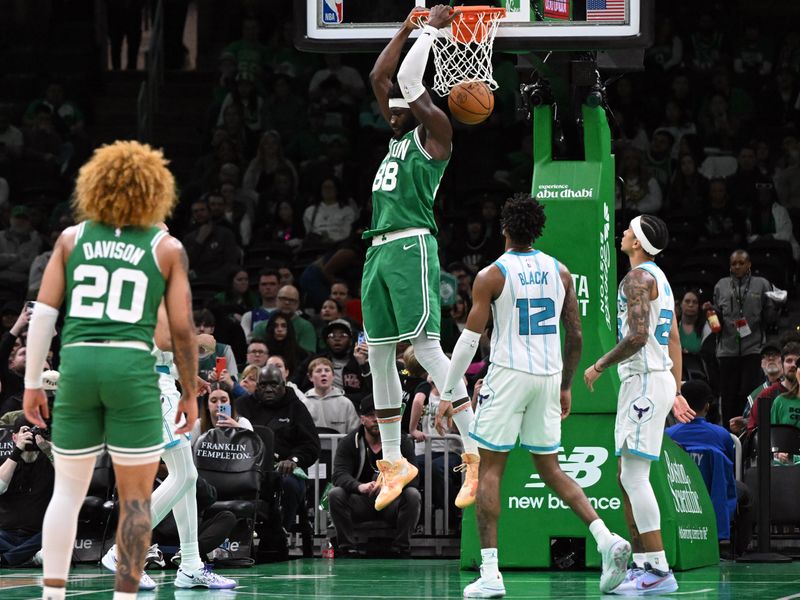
(527, 391)
(649, 358)
(400, 285)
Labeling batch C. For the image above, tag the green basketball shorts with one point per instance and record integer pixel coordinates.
(108, 396)
(400, 289)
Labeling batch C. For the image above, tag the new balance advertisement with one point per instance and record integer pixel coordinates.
(532, 515)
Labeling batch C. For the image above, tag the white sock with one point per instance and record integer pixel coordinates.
(53, 593)
(601, 534)
(639, 558)
(390, 438)
(124, 595)
(657, 560)
(184, 507)
(72, 478)
(387, 393)
(463, 419)
(489, 563)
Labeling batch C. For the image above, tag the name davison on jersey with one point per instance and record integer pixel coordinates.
(111, 249)
(533, 277)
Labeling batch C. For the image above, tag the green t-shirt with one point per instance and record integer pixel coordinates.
(786, 411)
(405, 186)
(690, 342)
(113, 284)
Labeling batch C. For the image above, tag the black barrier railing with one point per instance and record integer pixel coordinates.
(764, 553)
(431, 525)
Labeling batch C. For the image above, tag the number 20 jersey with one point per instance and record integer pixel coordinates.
(526, 334)
(113, 284)
(405, 186)
(654, 355)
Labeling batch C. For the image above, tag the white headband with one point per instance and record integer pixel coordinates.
(636, 225)
(398, 103)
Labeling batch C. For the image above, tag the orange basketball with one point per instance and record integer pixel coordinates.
(471, 103)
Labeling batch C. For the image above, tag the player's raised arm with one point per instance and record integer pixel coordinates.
(573, 336)
(380, 78)
(438, 130)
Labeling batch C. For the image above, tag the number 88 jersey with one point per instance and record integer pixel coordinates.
(405, 186)
(527, 313)
(654, 355)
(113, 284)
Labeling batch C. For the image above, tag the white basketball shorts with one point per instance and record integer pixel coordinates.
(644, 403)
(517, 405)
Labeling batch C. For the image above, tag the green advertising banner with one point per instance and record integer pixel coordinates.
(532, 515)
(579, 203)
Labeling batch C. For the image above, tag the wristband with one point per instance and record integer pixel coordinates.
(16, 454)
(430, 29)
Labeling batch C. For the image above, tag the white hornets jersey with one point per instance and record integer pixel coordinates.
(167, 374)
(654, 355)
(526, 334)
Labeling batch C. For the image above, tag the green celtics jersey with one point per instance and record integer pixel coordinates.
(786, 411)
(405, 186)
(113, 284)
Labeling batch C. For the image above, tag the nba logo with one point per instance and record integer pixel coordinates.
(332, 11)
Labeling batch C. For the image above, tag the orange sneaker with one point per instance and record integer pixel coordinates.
(470, 464)
(393, 478)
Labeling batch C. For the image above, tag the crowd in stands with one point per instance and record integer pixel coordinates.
(272, 212)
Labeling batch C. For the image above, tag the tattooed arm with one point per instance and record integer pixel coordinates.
(573, 337)
(637, 288)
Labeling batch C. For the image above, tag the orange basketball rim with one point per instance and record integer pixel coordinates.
(471, 26)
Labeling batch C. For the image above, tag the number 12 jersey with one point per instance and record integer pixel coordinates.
(527, 314)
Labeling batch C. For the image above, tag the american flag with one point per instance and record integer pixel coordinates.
(605, 10)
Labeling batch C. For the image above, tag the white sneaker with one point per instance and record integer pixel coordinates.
(154, 557)
(649, 582)
(109, 561)
(485, 587)
(176, 559)
(37, 558)
(615, 564)
(203, 577)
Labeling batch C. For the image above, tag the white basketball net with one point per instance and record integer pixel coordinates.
(468, 58)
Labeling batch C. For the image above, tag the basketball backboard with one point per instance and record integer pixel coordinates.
(367, 25)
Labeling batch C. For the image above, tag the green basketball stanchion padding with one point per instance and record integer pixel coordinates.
(579, 203)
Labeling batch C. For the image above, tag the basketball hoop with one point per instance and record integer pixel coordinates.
(463, 52)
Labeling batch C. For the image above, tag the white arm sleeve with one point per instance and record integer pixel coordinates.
(41, 329)
(463, 353)
(413, 68)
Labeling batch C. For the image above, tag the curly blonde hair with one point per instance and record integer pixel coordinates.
(125, 184)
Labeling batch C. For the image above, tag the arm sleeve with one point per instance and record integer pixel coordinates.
(413, 68)
(463, 353)
(40, 334)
